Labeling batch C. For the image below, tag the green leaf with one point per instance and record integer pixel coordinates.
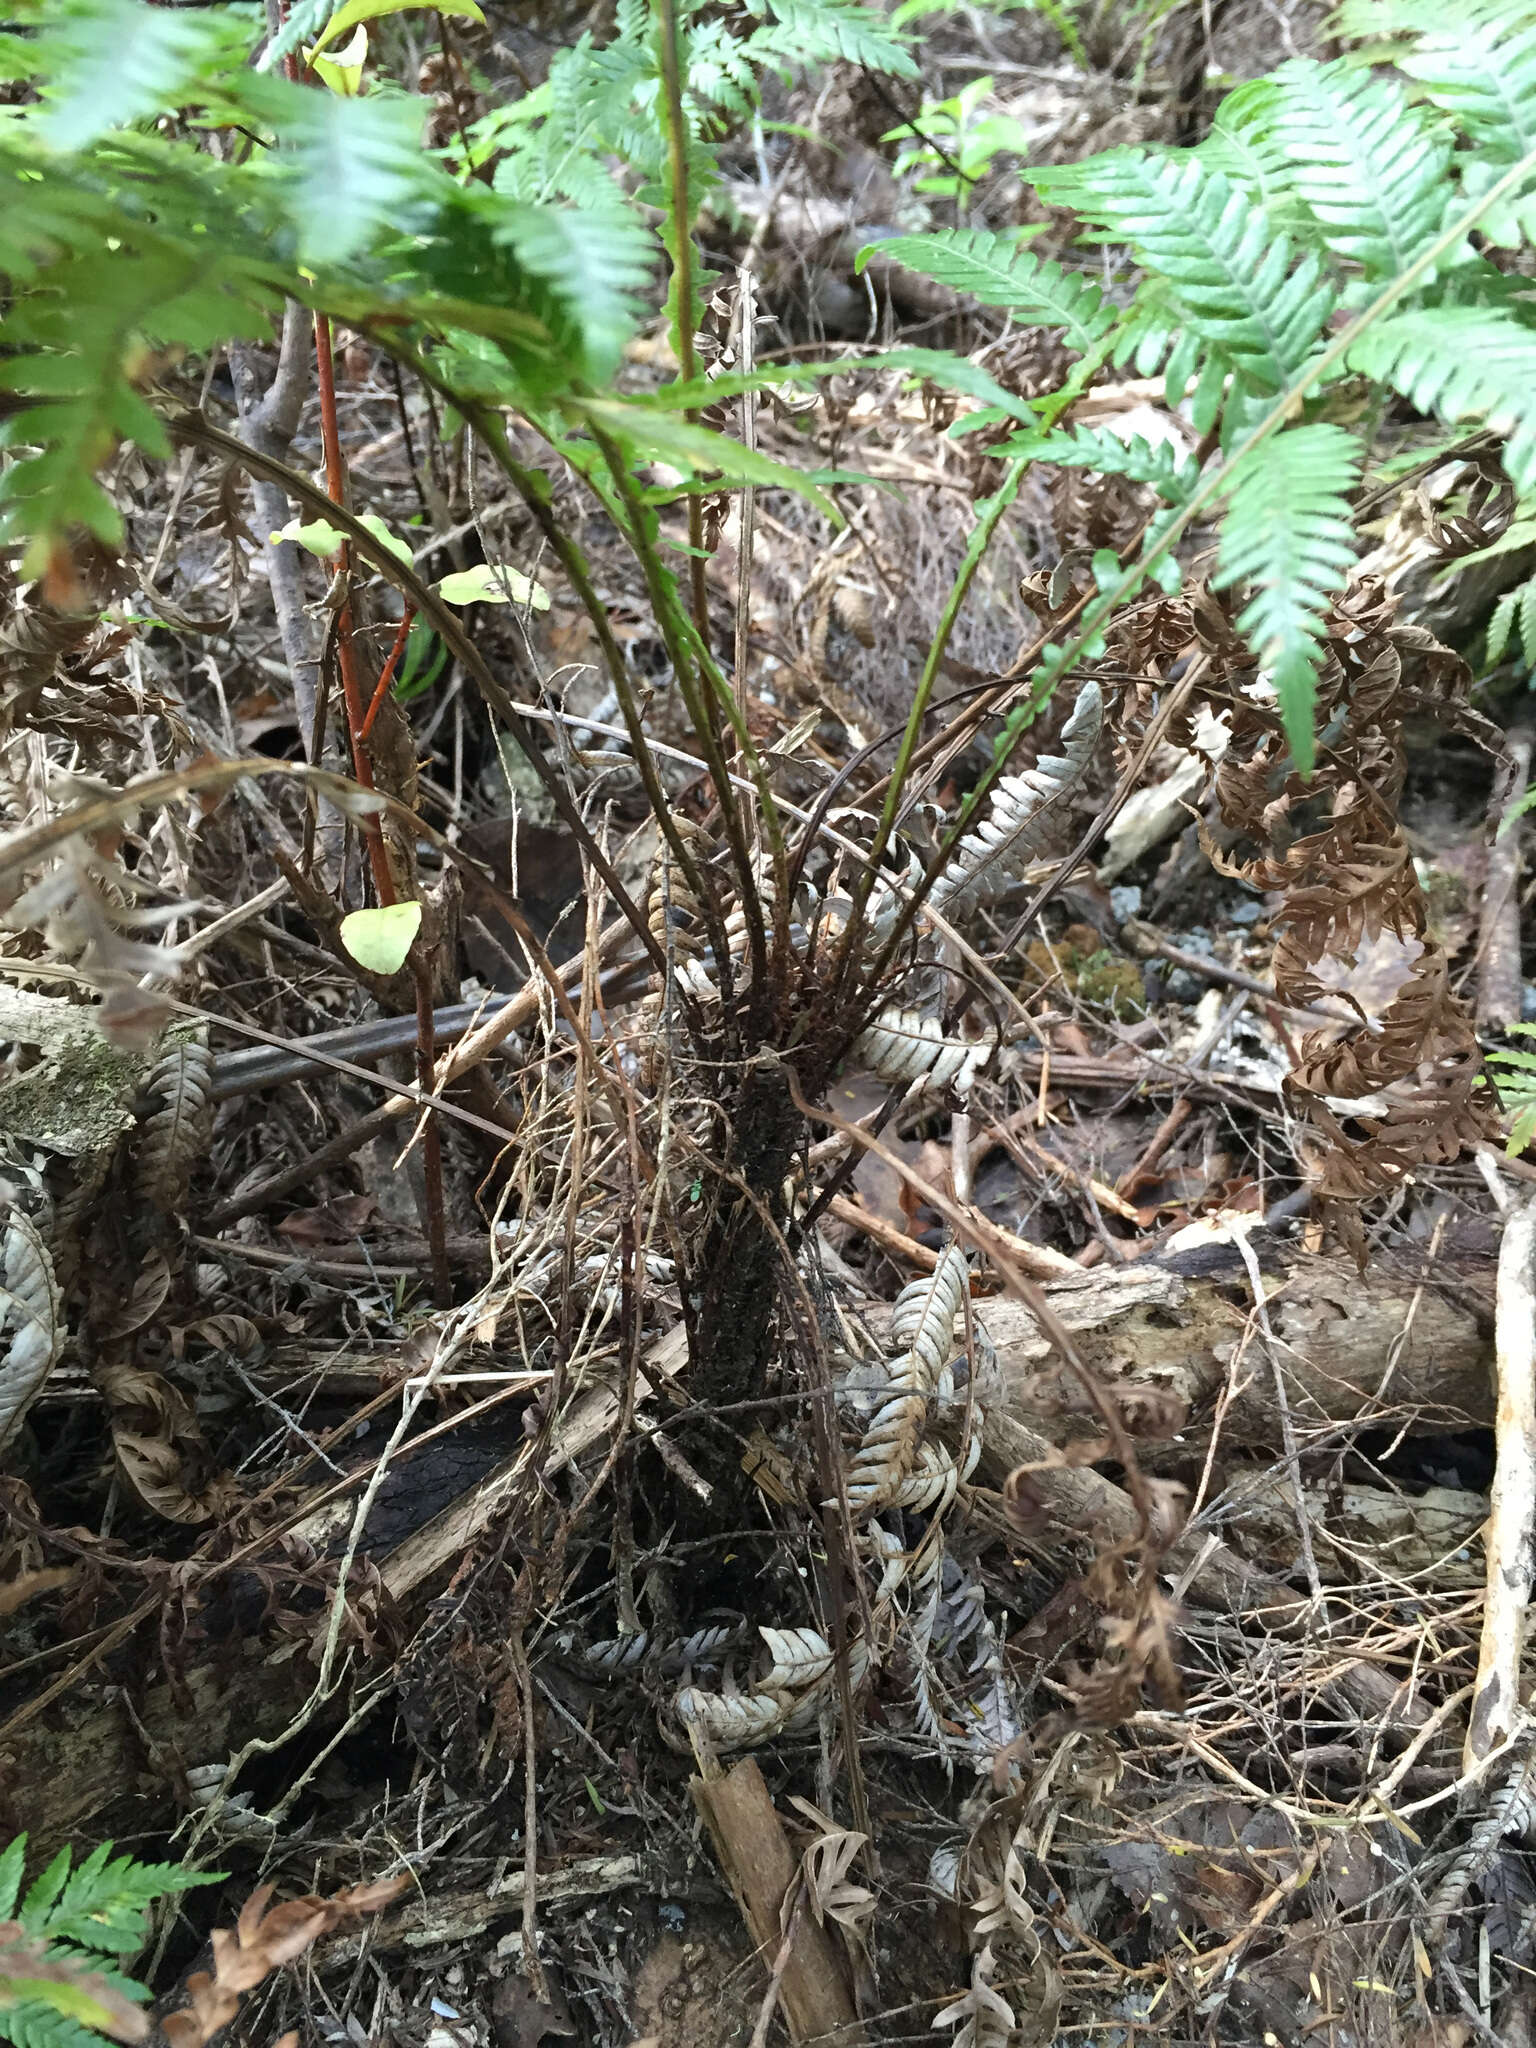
(342, 73)
(319, 537)
(997, 270)
(381, 938)
(493, 583)
(1288, 532)
(353, 12)
(696, 451)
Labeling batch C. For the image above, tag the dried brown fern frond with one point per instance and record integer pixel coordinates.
(1397, 1089)
(174, 1134)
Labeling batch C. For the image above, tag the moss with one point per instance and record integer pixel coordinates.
(1082, 965)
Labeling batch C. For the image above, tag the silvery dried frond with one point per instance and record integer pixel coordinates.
(85, 908)
(31, 1321)
(906, 1048)
(984, 2017)
(922, 1323)
(785, 1700)
(992, 854)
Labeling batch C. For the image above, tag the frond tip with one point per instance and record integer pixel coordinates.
(1288, 532)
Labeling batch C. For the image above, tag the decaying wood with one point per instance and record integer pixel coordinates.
(759, 1865)
(1510, 1533)
(452, 1917)
(114, 1759)
(1350, 1349)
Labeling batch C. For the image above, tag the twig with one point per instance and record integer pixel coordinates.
(1510, 1530)
(431, 1137)
(1500, 984)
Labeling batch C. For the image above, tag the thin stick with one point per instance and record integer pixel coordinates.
(1510, 1530)
(431, 1138)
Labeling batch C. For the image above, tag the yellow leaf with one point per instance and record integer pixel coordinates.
(351, 12)
(343, 72)
(379, 939)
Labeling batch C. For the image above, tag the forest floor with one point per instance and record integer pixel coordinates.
(336, 1550)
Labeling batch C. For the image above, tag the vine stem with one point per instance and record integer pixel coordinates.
(680, 237)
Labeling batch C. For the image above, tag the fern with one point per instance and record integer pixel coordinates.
(1244, 144)
(1369, 167)
(1462, 362)
(997, 270)
(831, 31)
(1321, 186)
(1515, 1073)
(1288, 532)
(57, 1938)
(1228, 271)
(1173, 477)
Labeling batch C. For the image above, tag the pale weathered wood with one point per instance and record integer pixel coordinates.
(759, 1866)
(1351, 1348)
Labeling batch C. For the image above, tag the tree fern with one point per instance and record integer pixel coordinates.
(1288, 533)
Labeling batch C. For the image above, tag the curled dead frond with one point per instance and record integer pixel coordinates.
(906, 1048)
(784, 1701)
(922, 1322)
(983, 2017)
(1397, 1090)
(175, 1133)
(31, 1321)
(989, 858)
(265, 1938)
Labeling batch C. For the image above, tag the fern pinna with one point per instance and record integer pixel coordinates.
(61, 1938)
(1333, 229)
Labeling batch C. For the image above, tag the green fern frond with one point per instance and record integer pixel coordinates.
(595, 266)
(1477, 63)
(996, 269)
(1370, 167)
(109, 63)
(1462, 362)
(1234, 278)
(1288, 533)
(57, 1986)
(351, 168)
(833, 31)
(1244, 144)
(1172, 477)
(1513, 616)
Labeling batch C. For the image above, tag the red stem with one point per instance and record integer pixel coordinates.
(387, 672)
(346, 646)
